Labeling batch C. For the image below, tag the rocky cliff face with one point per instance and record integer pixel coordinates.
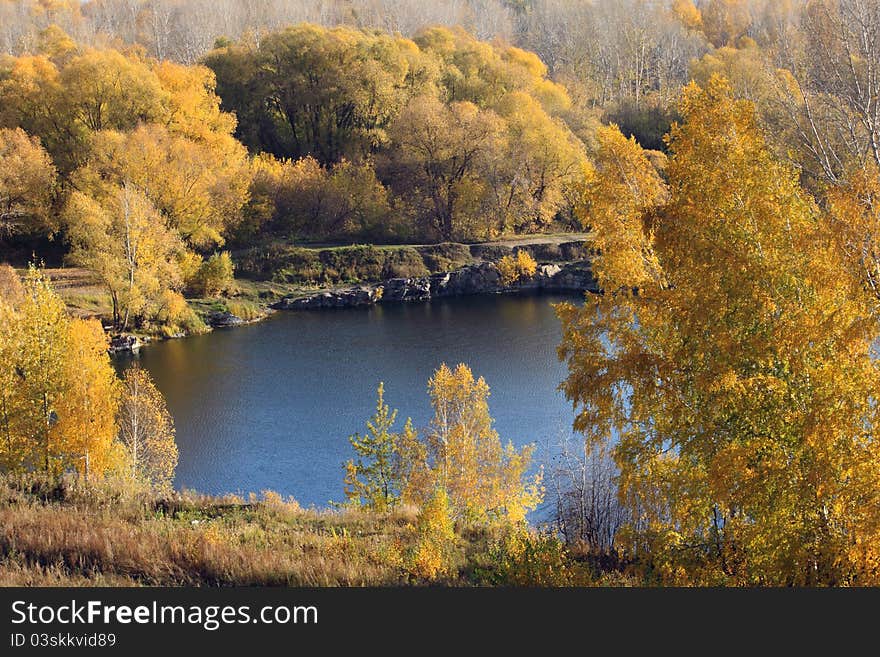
(482, 278)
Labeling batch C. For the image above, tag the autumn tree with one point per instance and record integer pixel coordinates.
(13, 445)
(40, 339)
(724, 21)
(618, 197)
(460, 454)
(854, 213)
(746, 68)
(62, 103)
(27, 185)
(372, 480)
(308, 90)
(736, 388)
(485, 481)
(438, 163)
(828, 93)
(86, 413)
(121, 237)
(214, 276)
(533, 178)
(469, 137)
(686, 12)
(57, 400)
(198, 187)
(297, 199)
(146, 430)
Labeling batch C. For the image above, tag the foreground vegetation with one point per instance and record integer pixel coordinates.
(66, 534)
(725, 380)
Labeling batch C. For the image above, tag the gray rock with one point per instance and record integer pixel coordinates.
(406, 289)
(224, 319)
(482, 278)
(354, 297)
(473, 279)
(125, 343)
(573, 277)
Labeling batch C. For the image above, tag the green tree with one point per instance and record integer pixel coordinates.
(309, 90)
(372, 480)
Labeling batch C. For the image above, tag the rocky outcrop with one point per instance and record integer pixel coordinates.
(482, 278)
(354, 297)
(125, 343)
(407, 289)
(224, 320)
(573, 277)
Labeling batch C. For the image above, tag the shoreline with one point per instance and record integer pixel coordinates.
(563, 271)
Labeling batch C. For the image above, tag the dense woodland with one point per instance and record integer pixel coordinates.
(725, 155)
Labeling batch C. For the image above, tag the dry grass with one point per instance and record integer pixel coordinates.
(66, 534)
(81, 538)
(81, 290)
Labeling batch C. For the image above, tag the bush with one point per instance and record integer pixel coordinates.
(244, 309)
(215, 276)
(432, 556)
(520, 557)
(404, 262)
(516, 268)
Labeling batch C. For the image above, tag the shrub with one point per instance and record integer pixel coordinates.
(520, 557)
(445, 256)
(432, 556)
(215, 276)
(244, 309)
(516, 268)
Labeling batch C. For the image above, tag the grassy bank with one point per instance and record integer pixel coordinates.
(342, 265)
(64, 534)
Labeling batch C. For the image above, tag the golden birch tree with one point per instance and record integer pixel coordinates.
(736, 390)
(146, 430)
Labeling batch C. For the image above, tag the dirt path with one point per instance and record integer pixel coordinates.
(557, 238)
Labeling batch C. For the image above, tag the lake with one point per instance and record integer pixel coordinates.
(271, 405)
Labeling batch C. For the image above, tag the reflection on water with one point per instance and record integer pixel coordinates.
(270, 406)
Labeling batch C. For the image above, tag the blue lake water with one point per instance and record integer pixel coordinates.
(271, 405)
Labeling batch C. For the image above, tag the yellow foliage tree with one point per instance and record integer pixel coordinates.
(58, 393)
(87, 411)
(119, 235)
(855, 221)
(41, 340)
(146, 430)
(27, 184)
(198, 187)
(724, 21)
(617, 203)
(436, 537)
(485, 481)
(737, 390)
(688, 14)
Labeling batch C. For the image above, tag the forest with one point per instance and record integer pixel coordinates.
(723, 155)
